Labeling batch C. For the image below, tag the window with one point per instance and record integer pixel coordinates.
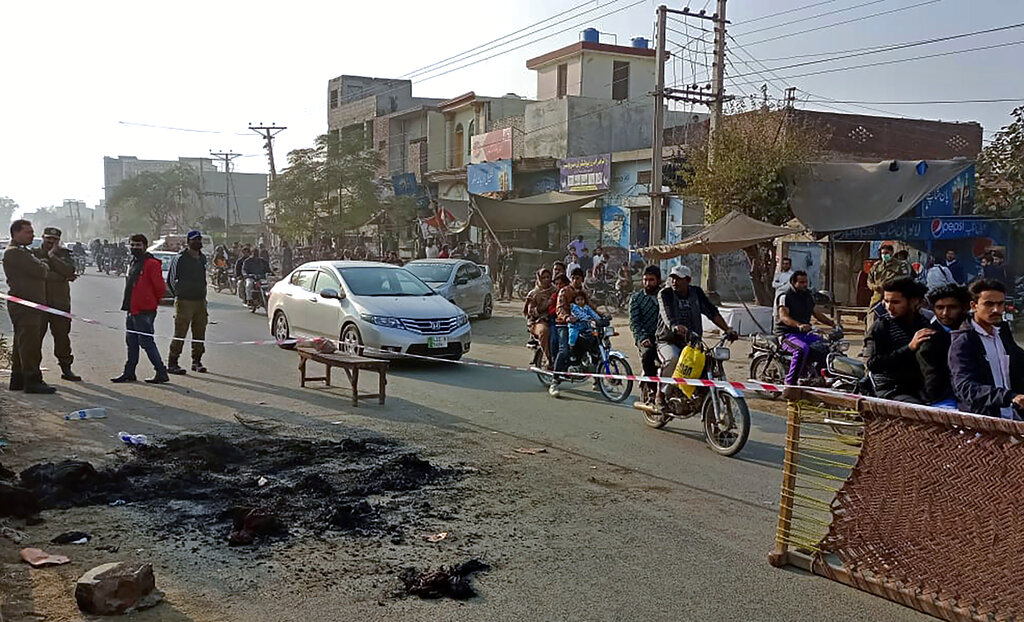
(462, 273)
(469, 137)
(472, 272)
(373, 281)
(620, 80)
(334, 98)
(457, 147)
(562, 80)
(304, 279)
(325, 280)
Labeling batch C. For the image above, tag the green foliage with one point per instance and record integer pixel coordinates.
(752, 147)
(327, 189)
(1000, 171)
(7, 208)
(153, 201)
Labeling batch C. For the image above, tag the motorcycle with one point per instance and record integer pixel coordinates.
(220, 279)
(117, 264)
(600, 358)
(260, 290)
(829, 367)
(81, 261)
(723, 410)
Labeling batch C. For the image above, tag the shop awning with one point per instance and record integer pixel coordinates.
(732, 232)
(527, 212)
(838, 196)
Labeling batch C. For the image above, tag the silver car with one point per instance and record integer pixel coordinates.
(165, 258)
(376, 308)
(459, 280)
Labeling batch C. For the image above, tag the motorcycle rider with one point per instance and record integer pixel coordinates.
(563, 316)
(950, 303)
(535, 309)
(643, 320)
(245, 254)
(794, 310)
(254, 268)
(892, 343)
(680, 306)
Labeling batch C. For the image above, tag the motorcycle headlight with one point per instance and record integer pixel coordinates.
(843, 346)
(463, 319)
(382, 320)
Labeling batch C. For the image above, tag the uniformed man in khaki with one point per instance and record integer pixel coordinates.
(58, 296)
(885, 269)
(26, 278)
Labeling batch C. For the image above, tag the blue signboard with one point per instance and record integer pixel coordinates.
(405, 184)
(918, 229)
(615, 226)
(489, 177)
(954, 198)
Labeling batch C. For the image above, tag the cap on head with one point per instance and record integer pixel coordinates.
(193, 234)
(51, 232)
(681, 272)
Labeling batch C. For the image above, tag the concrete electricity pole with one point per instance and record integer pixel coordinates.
(717, 80)
(658, 140)
(268, 132)
(226, 157)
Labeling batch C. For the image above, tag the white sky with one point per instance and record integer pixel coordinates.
(71, 72)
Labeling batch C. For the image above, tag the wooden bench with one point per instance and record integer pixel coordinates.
(859, 313)
(351, 365)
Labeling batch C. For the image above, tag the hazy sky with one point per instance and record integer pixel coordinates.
(73, 73)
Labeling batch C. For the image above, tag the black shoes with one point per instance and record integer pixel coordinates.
(174, 368)
(198, 367)
(123, 379)
(161, 378)
(17, 383)
(67, 374)
(39, 388)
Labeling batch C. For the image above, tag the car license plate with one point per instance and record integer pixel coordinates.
(437, 342)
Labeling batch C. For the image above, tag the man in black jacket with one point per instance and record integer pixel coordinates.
(892, 343)
(985, 362)
(186, 278)
(950, 303)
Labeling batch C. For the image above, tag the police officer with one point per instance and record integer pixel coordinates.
(58, 296)
(26, 278)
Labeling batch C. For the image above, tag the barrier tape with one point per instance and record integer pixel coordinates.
(749, 385)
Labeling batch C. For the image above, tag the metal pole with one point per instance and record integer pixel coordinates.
(658, 140)
(717, 81)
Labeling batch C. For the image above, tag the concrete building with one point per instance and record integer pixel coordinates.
(596, 70)
(470, 114)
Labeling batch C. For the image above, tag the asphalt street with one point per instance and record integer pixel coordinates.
(694, 544)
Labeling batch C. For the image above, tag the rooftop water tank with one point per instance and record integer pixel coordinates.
(591, 35)
(640, 42)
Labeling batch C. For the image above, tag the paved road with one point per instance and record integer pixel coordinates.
(711, 518)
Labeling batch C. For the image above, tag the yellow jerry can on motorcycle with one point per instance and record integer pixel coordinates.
(690, 365)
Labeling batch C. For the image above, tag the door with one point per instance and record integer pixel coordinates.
(324, 314)
(478, 287)
(462, 288)
(296, 300)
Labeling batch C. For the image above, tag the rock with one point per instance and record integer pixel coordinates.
(117, 588)
(17, 501)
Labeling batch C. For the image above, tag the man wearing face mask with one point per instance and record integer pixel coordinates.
(885, 269)
(143, 288)
(186, 278)
(58, 296)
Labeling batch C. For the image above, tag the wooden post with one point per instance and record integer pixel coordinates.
(780, 556)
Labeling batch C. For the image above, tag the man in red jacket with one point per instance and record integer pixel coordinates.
(143, 289)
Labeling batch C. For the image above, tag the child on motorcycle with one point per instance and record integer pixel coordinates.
(583, 314)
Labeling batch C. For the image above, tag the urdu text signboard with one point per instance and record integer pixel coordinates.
(489, 177)
(491, 147)
(585, 174)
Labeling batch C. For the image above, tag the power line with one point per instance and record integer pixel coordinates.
(848, 21)
(842, 55)
(805, 19)
(903, 60)
(924, 102)
(799, 8)
(179, 129)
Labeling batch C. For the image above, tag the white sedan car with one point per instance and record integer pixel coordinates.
(376, 308)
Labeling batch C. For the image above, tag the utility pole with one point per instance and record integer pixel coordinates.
(226, 157)
(268, 132)
(790, 97)
(717, 80)
(658, 142)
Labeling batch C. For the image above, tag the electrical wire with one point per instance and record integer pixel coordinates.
(923, 102)
(181, 129)
(799, 8)
(806, 19)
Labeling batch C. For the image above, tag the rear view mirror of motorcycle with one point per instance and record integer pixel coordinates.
(331, 294)
(720, 353)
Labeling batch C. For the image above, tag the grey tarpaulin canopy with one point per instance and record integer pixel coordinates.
(838, 196)
(527, 212)
(732, 232)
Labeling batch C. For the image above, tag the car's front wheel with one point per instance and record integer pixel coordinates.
(282, 331)
(351, 341)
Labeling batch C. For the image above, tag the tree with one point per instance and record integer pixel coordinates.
(152, 201)
(7, 208)
(1000, 172)
(327, 189)
(751, 149)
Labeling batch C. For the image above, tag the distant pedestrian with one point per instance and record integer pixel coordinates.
(186, 279)
(508, 273)
(586, 261)
(431, 249)
(287, 258)
(955, 267)
(578, 245)
(444, 253)
(26, 278)
(144, 287)
(58, 296)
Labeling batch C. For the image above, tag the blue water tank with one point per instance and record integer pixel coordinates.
(640, 42)
(591, 35)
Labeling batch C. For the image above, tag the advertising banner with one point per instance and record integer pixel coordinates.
(918, 229)
(489, 177)
(954, 198)
(491, 147)
(405, 184)
(585, 174)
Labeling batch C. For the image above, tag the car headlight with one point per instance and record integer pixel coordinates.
(463, 319)
(382, 320)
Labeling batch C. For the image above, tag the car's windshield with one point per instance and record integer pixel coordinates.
(384, 281)
(431, 272)
(165, 258)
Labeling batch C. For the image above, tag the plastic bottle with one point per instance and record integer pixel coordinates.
(132, 439)
(87, 413)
